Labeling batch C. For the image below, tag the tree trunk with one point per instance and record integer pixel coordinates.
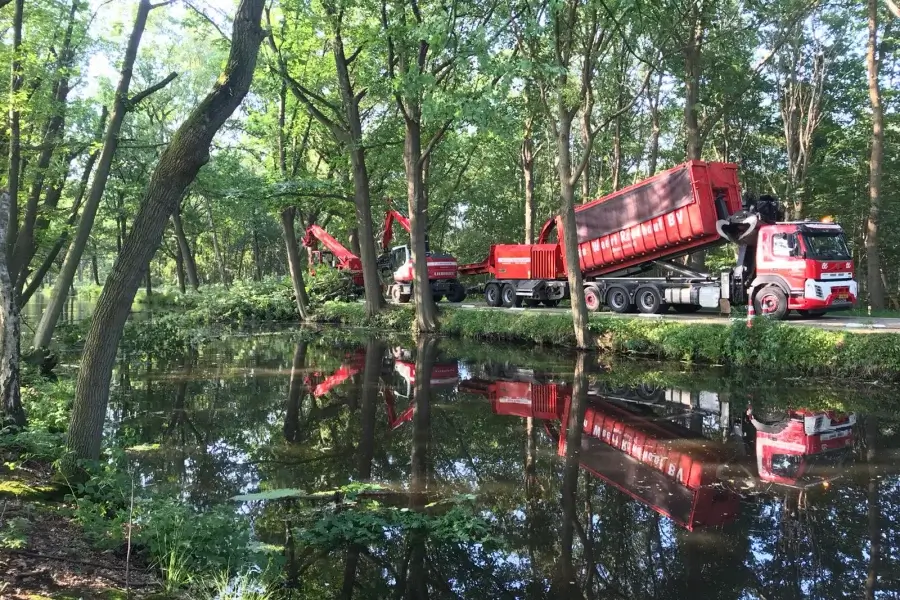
(179, 269)
(295, 266)
(873, 509)
(47, 325)
(426, 311)
(190, 265)
(25, 241)
(95, 272)
(257, 257)
(361, 191)
(10, 393)
(295, 394)
(617, 155)
(148, 280)
(873, 247)
(566, 583)
(528, 174)
(177, 168)
(569, 233)
(220, 260)
(586, 141)
(655, 127)
(15, 134)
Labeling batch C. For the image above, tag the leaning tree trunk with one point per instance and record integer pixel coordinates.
(569, 233)
(295, 266)
(873, 247)
(10, 397)
(177, 168)
(426, 311)
(66, 276)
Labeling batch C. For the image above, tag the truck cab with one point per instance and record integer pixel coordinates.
(803, 266)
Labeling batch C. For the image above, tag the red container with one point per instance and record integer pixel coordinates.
(668, 215)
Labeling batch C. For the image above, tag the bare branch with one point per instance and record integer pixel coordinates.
(208, 19)
(4, 3)
(892, 6)
(354, 55)
(162, 4)
(137, 98)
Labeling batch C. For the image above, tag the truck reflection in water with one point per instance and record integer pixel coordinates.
(689, 456)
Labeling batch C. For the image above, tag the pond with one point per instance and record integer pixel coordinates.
(479, 471)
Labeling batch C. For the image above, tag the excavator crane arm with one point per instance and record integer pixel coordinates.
(388, 235)
(346, 259)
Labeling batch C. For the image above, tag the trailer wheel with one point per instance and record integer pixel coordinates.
(592, 299)
(771, 301)
(649, 301)
(492, 294)
(438, 298)
(457, 293)
(532, 303)
(617, 299)
(508, 295)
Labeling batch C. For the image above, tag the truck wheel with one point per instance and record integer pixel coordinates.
(492, 294)
(438, 298)
(550, 303)
(772, 302)
(649, 301)
(592, 299)
(617, 299)
(457, 293)
(508, 295)
(686, 309)
(532, 303)
(395, 294)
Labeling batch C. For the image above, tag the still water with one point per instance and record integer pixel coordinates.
(582, 480)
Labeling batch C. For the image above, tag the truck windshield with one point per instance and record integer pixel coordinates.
(826, 246)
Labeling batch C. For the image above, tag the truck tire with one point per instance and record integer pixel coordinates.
(592, 299)
(532, 303)
(649, 300)
(492, 294)
(618, 300)
(508, 295)
(550, 303)
(772, 302)
(457, 293)
(395, 294)
(438, 298)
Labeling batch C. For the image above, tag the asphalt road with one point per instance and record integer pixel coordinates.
(829, 321)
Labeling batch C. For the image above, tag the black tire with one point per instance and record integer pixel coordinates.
(649, 301)
(772, 302)
(395, 294)
(531, 303)
(508, 295)
(438, 298)
(811, 314)
(457, 293)
(618, 300)
(492, 294)
(405, 298)
(592, 299)
(550, 303)
(685, 309)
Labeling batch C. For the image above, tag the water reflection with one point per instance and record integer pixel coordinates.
(591, 483)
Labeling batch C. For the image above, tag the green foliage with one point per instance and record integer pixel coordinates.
(14, 533)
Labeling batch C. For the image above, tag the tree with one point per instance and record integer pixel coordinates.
(121, 106)
(177, 168)
(288, 216)
(10, 396)
(873, 250)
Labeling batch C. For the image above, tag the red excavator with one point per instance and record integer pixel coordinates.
(396, 267)
(334, 255)
(443, 375)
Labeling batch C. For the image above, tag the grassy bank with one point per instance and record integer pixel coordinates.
(767, 346)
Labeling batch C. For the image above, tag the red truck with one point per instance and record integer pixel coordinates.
(803, 266)
(684, 454)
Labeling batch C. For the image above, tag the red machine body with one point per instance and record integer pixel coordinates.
(397, 265)
(335, 254)
(353, 365)
(442, 375)
(803, 266)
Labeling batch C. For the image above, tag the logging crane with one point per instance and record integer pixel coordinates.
(396, 266)
(334, 254)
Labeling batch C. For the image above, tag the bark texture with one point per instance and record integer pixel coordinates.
(177, 168)
(184, 247)
(876, 158)
(10, 393)
(295, 265)
(15, 133)
(528, 175)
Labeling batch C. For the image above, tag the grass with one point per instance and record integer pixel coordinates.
(767, 345)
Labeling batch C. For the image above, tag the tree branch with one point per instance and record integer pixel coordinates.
(137, 98)
(4, 3)
(354, 56)
(892, 6)
(435, 140)
(209, 20)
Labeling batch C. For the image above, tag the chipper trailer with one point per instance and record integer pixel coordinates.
(781, 266)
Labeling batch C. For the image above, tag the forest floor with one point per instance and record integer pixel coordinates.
(44, 553)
